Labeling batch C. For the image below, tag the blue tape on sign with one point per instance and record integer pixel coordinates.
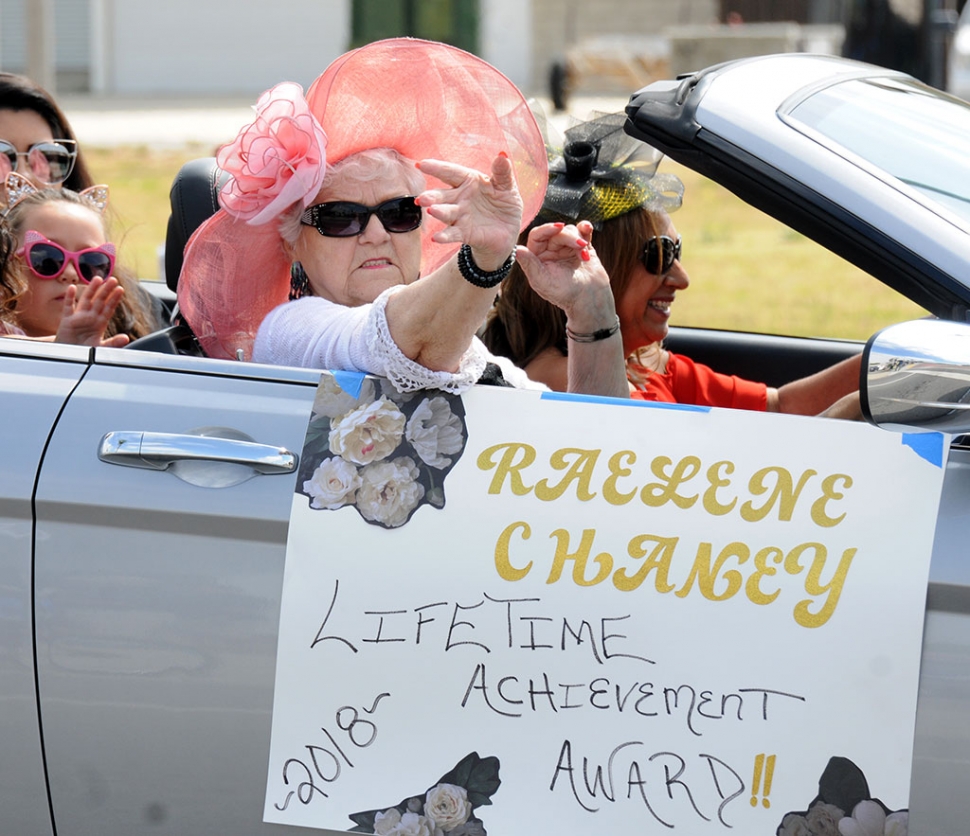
(572, 396)
(928, 446)
(350, 382)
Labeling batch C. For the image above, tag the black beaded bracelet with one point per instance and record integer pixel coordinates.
(474, 274)
(594, 336)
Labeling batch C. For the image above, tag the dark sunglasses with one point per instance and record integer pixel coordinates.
(342, 219)
(48, 260)
(660, 253)
(51, 162)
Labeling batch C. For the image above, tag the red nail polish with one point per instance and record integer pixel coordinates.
(503, 154)
(558, 225)
(584, 255)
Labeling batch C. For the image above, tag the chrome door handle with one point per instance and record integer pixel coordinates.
(159, 451)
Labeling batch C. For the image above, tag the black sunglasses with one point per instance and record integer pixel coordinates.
(51, 162)
(342, 219)
(660, 253)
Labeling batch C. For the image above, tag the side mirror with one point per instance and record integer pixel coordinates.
(916, 376)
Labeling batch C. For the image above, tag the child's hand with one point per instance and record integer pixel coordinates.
(84, 320)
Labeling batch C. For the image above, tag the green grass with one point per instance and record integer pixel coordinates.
(750, 272)
(747, 271)
(139, 179)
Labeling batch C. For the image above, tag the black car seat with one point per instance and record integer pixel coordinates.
(193, 198)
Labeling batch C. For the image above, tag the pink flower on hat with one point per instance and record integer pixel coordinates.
(277, 160)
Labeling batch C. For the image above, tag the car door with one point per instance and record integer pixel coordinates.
(35, 382)
(157, 592)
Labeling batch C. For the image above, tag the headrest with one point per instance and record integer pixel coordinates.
(194, 197)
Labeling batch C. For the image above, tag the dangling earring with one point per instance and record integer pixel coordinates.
(299, 283)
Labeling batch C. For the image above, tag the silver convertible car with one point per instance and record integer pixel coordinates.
(141, 578)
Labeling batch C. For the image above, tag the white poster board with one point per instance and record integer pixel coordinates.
(511, 610)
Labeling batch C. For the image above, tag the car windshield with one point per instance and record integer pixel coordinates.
(929, 131)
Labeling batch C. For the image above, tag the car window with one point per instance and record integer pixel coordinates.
(928, 151)
(750, 272)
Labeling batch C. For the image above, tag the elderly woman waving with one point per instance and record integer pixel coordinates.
(407, 160)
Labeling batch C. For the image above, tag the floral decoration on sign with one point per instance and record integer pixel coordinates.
(278, 159)
(384, 452)
(844, 807)
(446, 809)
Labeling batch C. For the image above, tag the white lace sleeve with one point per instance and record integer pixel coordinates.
(404, 373)
(315, 333)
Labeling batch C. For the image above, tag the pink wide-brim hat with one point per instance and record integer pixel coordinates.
(424, 99)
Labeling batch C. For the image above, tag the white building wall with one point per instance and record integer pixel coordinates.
(505, 35)
(218, 46)
(72, 48)
(242, 47)
(13, 45)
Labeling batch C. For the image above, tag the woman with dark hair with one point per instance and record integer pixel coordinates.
(37, 142)
(34, 129)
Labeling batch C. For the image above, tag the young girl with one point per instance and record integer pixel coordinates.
(56, 268)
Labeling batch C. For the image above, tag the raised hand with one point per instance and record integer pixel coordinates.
(562, 267)
(483, 211)
(85, 319)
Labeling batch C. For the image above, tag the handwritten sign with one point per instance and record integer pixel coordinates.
(509, 610)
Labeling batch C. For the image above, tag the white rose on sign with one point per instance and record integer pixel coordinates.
(447, 806)
(369, 433)
(389, 491)
(333, 484)
(392, 823)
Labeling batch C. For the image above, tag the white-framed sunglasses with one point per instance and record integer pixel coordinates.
(51, 162)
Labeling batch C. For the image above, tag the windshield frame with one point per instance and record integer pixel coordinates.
(818, 114)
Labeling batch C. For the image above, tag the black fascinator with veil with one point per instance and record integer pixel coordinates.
(598, 172)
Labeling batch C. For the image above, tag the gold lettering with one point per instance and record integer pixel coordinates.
(580, 559)
(503, 560)
(706, 573)
(656, 494)
(813, 585)
(580, 471)
(610, 491)
(514, 458)
(819, 517)
(753, 586)
(711, 504)
(659, 559)
(783, 493)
